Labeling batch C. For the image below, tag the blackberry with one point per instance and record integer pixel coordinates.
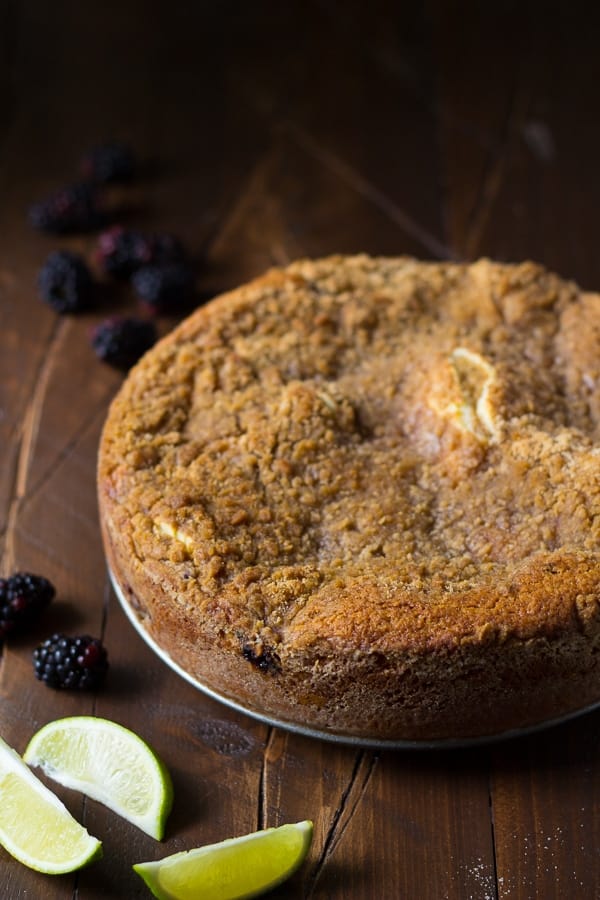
(121, 341)
(71, 208)
(71, 663)
(163, 287)
(109, 162)
(262, 657)
(65, 282)
(121, 251)
(23, 596)
(166, 248)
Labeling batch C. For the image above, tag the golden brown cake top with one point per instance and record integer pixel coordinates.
(369, 452)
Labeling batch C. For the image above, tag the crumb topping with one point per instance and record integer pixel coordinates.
(424, 436)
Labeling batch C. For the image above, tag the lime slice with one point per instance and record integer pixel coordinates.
(108, 763)
(240, 867)
(35, 827)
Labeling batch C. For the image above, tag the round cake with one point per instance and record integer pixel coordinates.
(361, 496)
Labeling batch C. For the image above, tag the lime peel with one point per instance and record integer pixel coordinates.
(35, 826)
(234, 869)
(108, 763)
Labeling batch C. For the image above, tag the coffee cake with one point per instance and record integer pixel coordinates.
(362, 496)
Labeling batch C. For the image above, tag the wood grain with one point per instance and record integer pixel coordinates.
(269, 131)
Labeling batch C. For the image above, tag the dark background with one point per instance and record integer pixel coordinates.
(268, 131)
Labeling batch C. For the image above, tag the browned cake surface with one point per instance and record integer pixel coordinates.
(364, 494)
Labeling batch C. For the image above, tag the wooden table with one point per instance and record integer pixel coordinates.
(269, 131)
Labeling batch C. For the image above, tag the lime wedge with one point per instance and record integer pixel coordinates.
(35, 827)
(237, 868)
(108, 763)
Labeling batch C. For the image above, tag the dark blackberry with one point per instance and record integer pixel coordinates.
(121, 251)
(262, 657)
(23, 596)
(166, 248)
(164, 287)
(65, 282)
(121, 341)
(71, 208)
(71, 663)
(110, 162)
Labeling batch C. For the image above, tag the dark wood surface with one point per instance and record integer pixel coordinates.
(269, 131)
